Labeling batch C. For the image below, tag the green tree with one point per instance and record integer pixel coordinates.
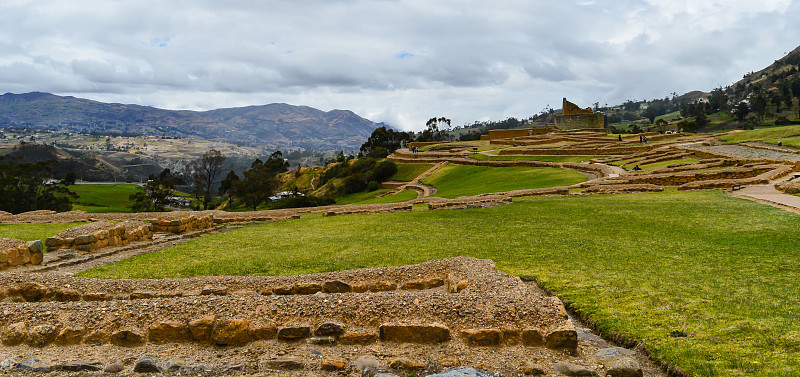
(741, 110)
(382, 137)
(261, 180)
(759, 105)
(25, 186)
(434, 130)
(157, 191)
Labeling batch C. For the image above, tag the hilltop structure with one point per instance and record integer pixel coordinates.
(574, 118)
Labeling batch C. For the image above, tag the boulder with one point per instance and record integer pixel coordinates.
(201, 328)
(570, 369)
(624, 367)
(231, 332)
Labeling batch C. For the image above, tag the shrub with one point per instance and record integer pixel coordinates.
(373, 185)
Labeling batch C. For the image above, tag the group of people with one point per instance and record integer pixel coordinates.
(643, 139)
(414, 149)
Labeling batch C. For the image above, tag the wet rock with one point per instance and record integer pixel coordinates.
(147, 364)
(329, 329)
(570, 369)
(624, 367)
(79, 366)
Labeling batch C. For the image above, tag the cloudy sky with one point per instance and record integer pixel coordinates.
(399, 62)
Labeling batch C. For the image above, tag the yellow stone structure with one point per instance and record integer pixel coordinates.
(574, 118)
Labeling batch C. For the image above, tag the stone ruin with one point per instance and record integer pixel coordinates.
(574, 118)
(98, 235)
(442, 308)
(14, 252)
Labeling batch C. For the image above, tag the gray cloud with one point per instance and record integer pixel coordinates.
(396, 61)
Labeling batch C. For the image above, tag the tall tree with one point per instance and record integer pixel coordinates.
(382, 137)
(205, 173)
(260, 181)
(156, 194)
(25, 186)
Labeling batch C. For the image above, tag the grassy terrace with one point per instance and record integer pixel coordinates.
(789, 135)
(407, 172)
(722, 270)
(30, 232)
(369, 197)
(453, 181)
(483, 157)
(104, 198)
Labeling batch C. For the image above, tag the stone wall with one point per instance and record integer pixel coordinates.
(97, 235)
(178, 223)
(595, 121)
(14, 252)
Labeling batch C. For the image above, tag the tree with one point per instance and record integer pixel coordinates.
(389, 139)
(741, 110)
(260, 181)
(25, 186)
(157, 191)
(434, 130)
(759, 105)
(776, 100)
(661, 124)
(701, 120)
(205, 173)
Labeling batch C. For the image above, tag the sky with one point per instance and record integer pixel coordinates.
(399, 62)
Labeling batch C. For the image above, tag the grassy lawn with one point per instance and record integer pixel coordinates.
(402, 196)
(663, 164)
(722, 270)
(30, 232)
(453, 181)
(360, 196)
(104, 198)
(407, 172)
(768, 134)
(483, 157)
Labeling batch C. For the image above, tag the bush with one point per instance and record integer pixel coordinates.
(373, 185)
(378, 152)
(384, 170)
(782, 121)
(354, 183)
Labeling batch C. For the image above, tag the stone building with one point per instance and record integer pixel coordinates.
(574, 118)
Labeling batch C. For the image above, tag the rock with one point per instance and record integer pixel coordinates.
(37, 258)
(201, 328)
(33, 364)
(532, 338)
(212, 290)
(78, 366)
(530, 369)
(173, 366)
(336, 286)
(401, 363)
(263, 332)
(569, 369)
(382, 286)
(286, 363)
(41, 335)
(7, 364)
(231, 332)
(127, 338)
(329, 329)
(482, 337)
(97, 337)
(322, 340)
(294, 332)
(624, 367)
(35, 246)
(308, 288)
(607, 355)
(366, 361)
(461, 372)
(169, 332)
(147, 364)
(462, 285)
(432, 333)
(113, 368)
(69, 336)
(32, 292)
(358, 338)
(14, 334)
(330, 363)
(562, 339)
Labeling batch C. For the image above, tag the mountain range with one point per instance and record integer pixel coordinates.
(277, 125)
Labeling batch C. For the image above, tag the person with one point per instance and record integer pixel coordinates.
(645, 139)
(636, 168)
(640, 138)
(620, 137)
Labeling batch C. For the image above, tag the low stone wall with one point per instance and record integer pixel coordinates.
(790, 187)
(576, 151)
(614, 189)
(14, 252)
(721, 184)
(181, 223)
(366, 211)
(470, 202)
(95, 236)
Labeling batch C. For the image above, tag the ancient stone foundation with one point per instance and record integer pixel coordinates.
(14, 252)
(178, 223)
(101, 234)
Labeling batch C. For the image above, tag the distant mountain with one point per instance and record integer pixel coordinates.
(278, 125)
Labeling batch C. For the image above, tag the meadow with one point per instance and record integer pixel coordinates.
(722, 271)
(31, 232)
(104, 198)
(452, 181)
(788, 135)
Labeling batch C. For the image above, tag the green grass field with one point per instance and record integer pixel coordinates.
(369, 197)
(722, 270)
(104, 198)
(453, 181)
(407, 172)
(483, 157)
(30, 232)
(786, 134)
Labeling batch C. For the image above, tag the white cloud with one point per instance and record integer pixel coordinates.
(401, 61)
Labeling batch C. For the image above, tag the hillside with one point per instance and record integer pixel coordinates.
(276, 125)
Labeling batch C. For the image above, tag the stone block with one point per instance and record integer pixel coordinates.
(482, 337)
(563, 339)
(294, 332)
(201, 328)
(169, 332)
(361, 338)
(14, 334)
(336, 286)
(332, 364)
(127, 338)
(329, 328)
(308, 288)
(263, 332)
(231, 332)
(381, 286)
(41, 335)
(431, 333)
(69, 336)
(97, 337)
(532, 338)
(284, 363)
